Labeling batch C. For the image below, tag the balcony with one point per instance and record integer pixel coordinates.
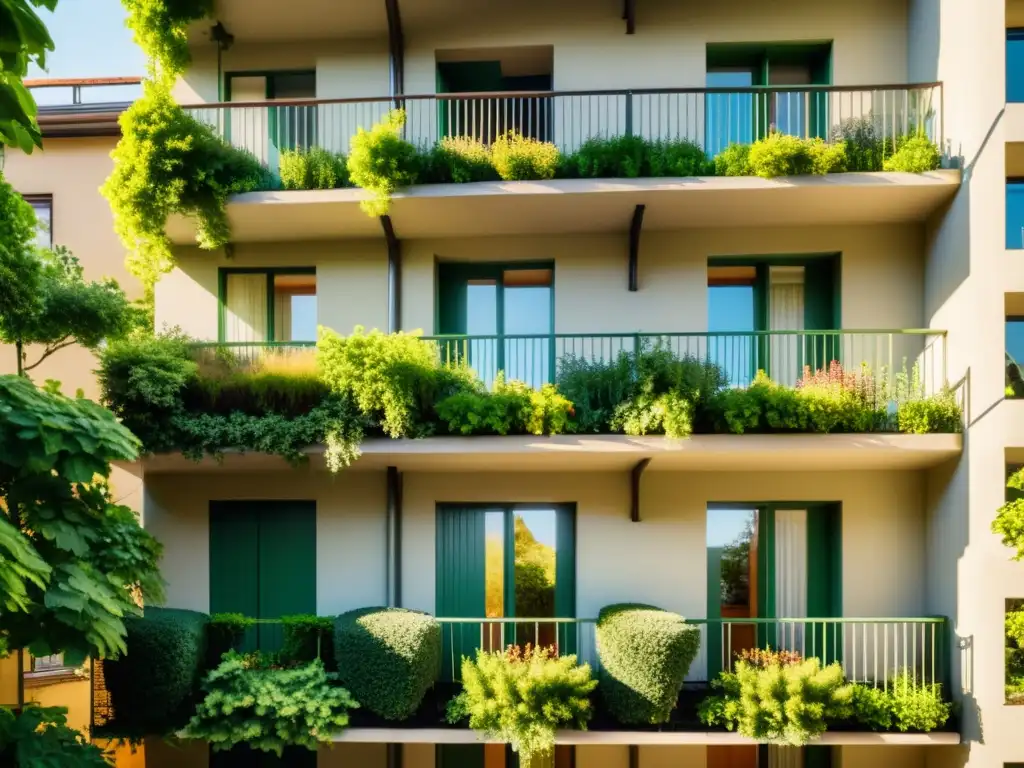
(870, 651)
(711, 118)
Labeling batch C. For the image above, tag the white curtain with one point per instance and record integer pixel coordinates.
(785, 757)
(282, 316)
(786, 313)
(790, 576)
(246, 305)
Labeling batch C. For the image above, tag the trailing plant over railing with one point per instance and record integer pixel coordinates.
(522, 696)
(381, 162)
(253, 701)
(160, 28)
(1009, 522)
(167, 162)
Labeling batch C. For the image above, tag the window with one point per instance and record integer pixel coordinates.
(263, 563)
(268, 131)
(1015, 213)
(1014, 652)
(43, 206)
(748, 115)
(501, 561)
(509, 309)
(277, 305)
(793, 296)
(1014, 355)
(1015, 65)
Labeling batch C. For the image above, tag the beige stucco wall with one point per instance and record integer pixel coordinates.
(591, 49)
(661, 560)
(882, 276)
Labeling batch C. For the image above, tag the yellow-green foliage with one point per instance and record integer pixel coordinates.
(914, 154)
(782, 704)
(313, 168)
(382, 162)
(160, 28)
(1009, 522)
(168, 162)
(518, 158)
(458, 160)
(523, 697)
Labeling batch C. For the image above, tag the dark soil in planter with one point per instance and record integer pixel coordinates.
(431, 713)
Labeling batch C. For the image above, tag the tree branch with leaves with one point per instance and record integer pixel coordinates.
(24, 40)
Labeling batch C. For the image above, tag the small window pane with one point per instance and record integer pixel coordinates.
(44, 216)
(728, 117)
(1015, 215)
(1015, 66)
(1014, 357)
(295, 308)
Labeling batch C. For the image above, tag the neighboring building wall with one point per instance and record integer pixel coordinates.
(72, 170)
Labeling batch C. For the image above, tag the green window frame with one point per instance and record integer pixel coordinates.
(451, 319)
(271, 273)
(460, 579)
(822, 303)
(760, 59)
(263, 563)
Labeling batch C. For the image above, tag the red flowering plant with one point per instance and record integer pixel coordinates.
(841, 400)
(762, 658)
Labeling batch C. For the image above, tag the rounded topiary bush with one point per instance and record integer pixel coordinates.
(388, 658)
(645, 653)
(152, 686)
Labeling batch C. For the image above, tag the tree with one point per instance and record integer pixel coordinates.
(23, 40)
(44, 297)
(73, 563)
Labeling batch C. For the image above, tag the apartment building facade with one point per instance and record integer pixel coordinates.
(886, 535)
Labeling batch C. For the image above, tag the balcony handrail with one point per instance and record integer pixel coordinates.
(79, 82)
(480, 95)
(722, 620)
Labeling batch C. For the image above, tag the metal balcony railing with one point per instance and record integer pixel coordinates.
(711, 117)
(870, 650)
(783, 355)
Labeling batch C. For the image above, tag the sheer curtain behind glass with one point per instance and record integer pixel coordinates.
(786, 313)
(246, 308)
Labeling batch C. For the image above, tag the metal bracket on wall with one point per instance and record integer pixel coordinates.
(634, 247)
(394, 274)
(634, 756)
(629, 15)
(635, 474)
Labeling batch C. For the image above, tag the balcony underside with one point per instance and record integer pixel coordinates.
(639, 738)
(597, 453)
(576, 206)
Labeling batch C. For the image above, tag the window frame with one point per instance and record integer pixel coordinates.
(270, 273)
(37, 201)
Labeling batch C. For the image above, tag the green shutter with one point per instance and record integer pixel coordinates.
(565, 577)
(765, 571)
(234, 540)
(714, 611)
(762, 346)
(459, 756)
(824, 578)
(820, 278)
(460, 581)
(451, 298)
(287, 565)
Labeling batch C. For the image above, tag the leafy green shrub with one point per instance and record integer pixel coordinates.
(734, 160)
(308, 637)
(388, 657)
(523, 697)
(871, 707)
(167, 162)
(617, 157)
(161, 29)
(40, 737)
(865, 149)
(225, 632)
(382, 162)
(510, 408)
(789, 704)
(678, 157)
(652, 392)
(827, 158)
(1009, 522)
(917, 706)
(645, 654)
(152, 686)
(314, 168)
(779, 154)
(914, 154)
(394, 379)
(250, 702)
(459, 160)
(520, 158)
(142, 380)
(927, 415)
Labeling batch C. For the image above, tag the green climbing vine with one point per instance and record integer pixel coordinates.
(161, 30)
(167, 162)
